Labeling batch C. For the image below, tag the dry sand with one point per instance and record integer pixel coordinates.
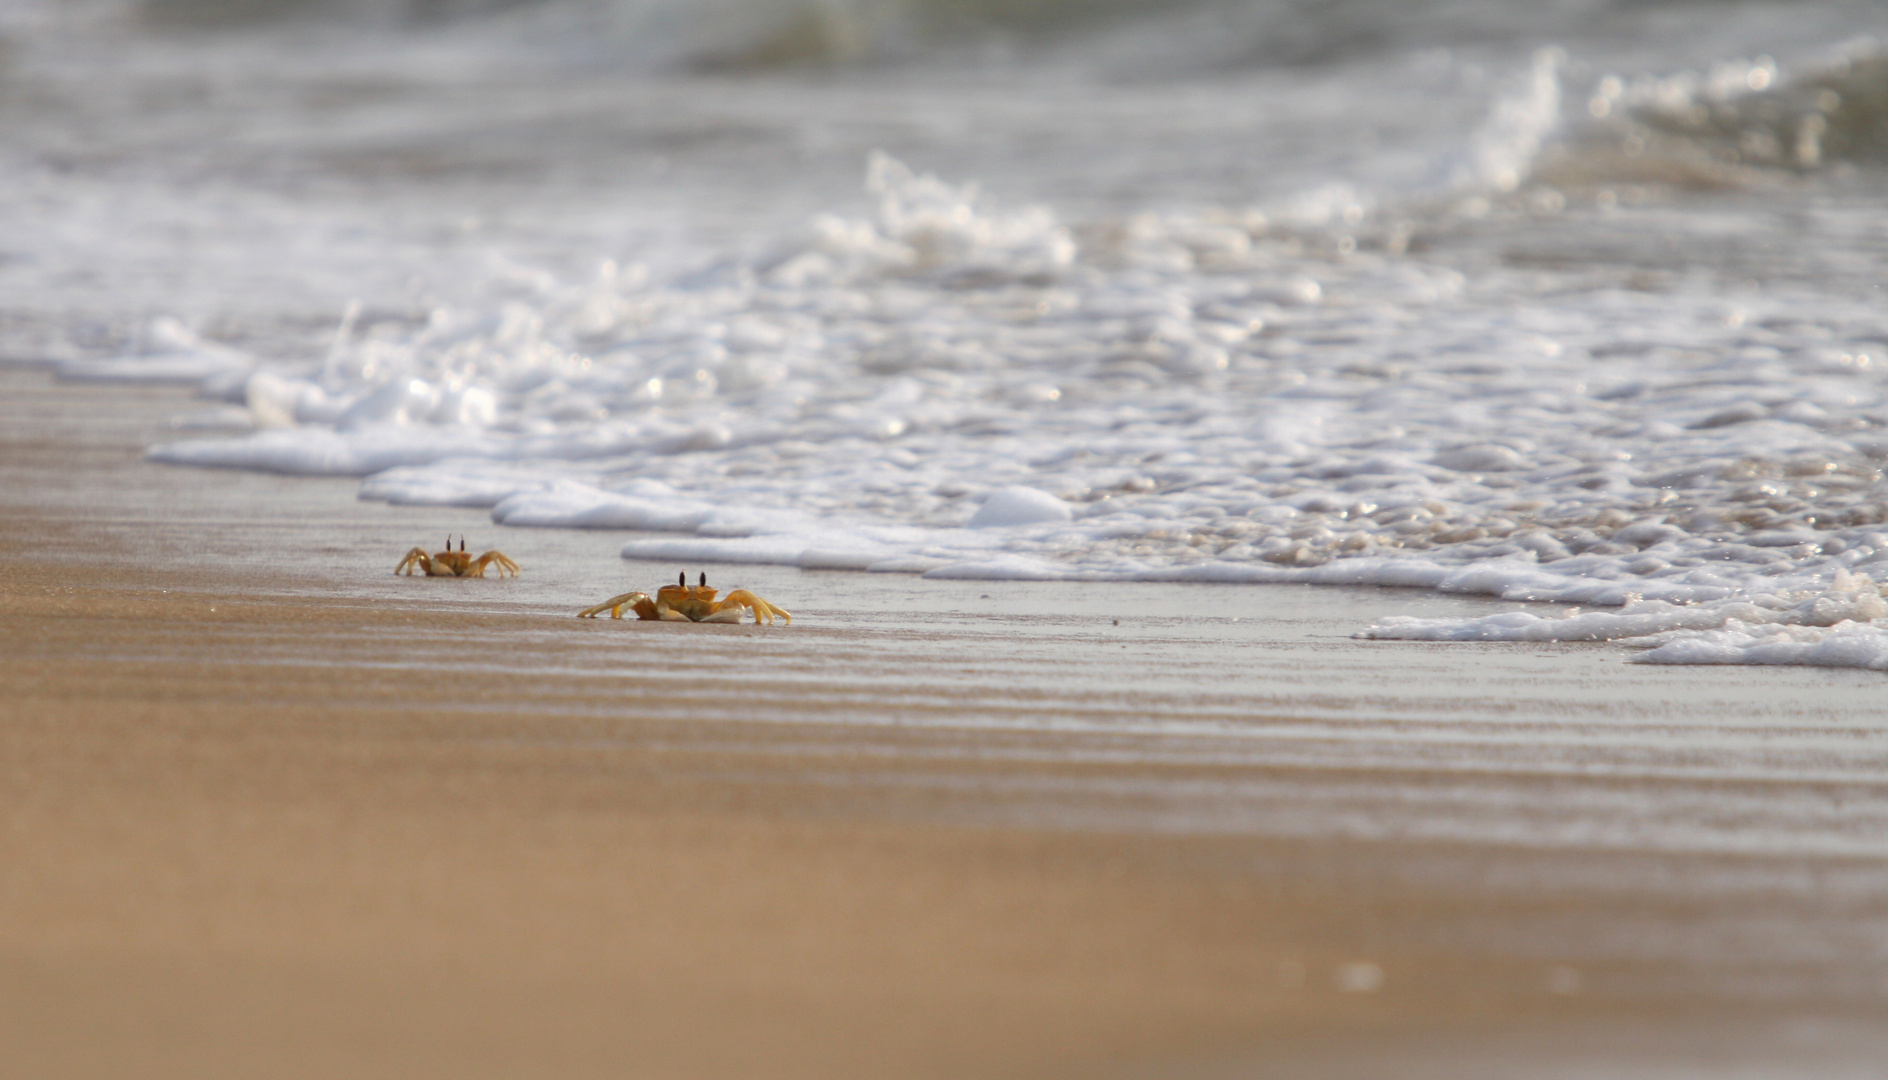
(267, 810)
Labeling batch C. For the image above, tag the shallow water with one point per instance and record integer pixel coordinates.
(1579, 306)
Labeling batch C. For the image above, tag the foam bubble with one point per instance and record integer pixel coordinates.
(1016, 505)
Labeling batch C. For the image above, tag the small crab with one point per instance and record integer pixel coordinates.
(680, 603)
(450, 563)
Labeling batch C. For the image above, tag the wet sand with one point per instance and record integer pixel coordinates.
(268, 810)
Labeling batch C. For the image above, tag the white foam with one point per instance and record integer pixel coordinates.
(1017, 505)
(1818, 626)
(957, 388)
(1844, 645)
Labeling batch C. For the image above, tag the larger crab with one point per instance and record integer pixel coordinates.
(681, 602)
(450, 563)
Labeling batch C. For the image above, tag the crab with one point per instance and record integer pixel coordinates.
(681, 603)
(450, 563)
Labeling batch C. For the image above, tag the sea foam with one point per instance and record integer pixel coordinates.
(963, 390)
(1527, 350)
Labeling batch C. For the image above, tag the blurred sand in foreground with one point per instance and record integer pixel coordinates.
(267, 810)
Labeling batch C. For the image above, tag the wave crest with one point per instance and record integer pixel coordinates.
(1729, 125)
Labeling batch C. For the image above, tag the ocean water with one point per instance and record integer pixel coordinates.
(1577, 302)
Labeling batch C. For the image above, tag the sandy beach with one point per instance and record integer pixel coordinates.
(270, 810)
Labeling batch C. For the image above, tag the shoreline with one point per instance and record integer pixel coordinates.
(275, 810)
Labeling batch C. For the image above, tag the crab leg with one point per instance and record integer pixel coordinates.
(505, 565)
(764, 612)
(416, 557)
(616, 604)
